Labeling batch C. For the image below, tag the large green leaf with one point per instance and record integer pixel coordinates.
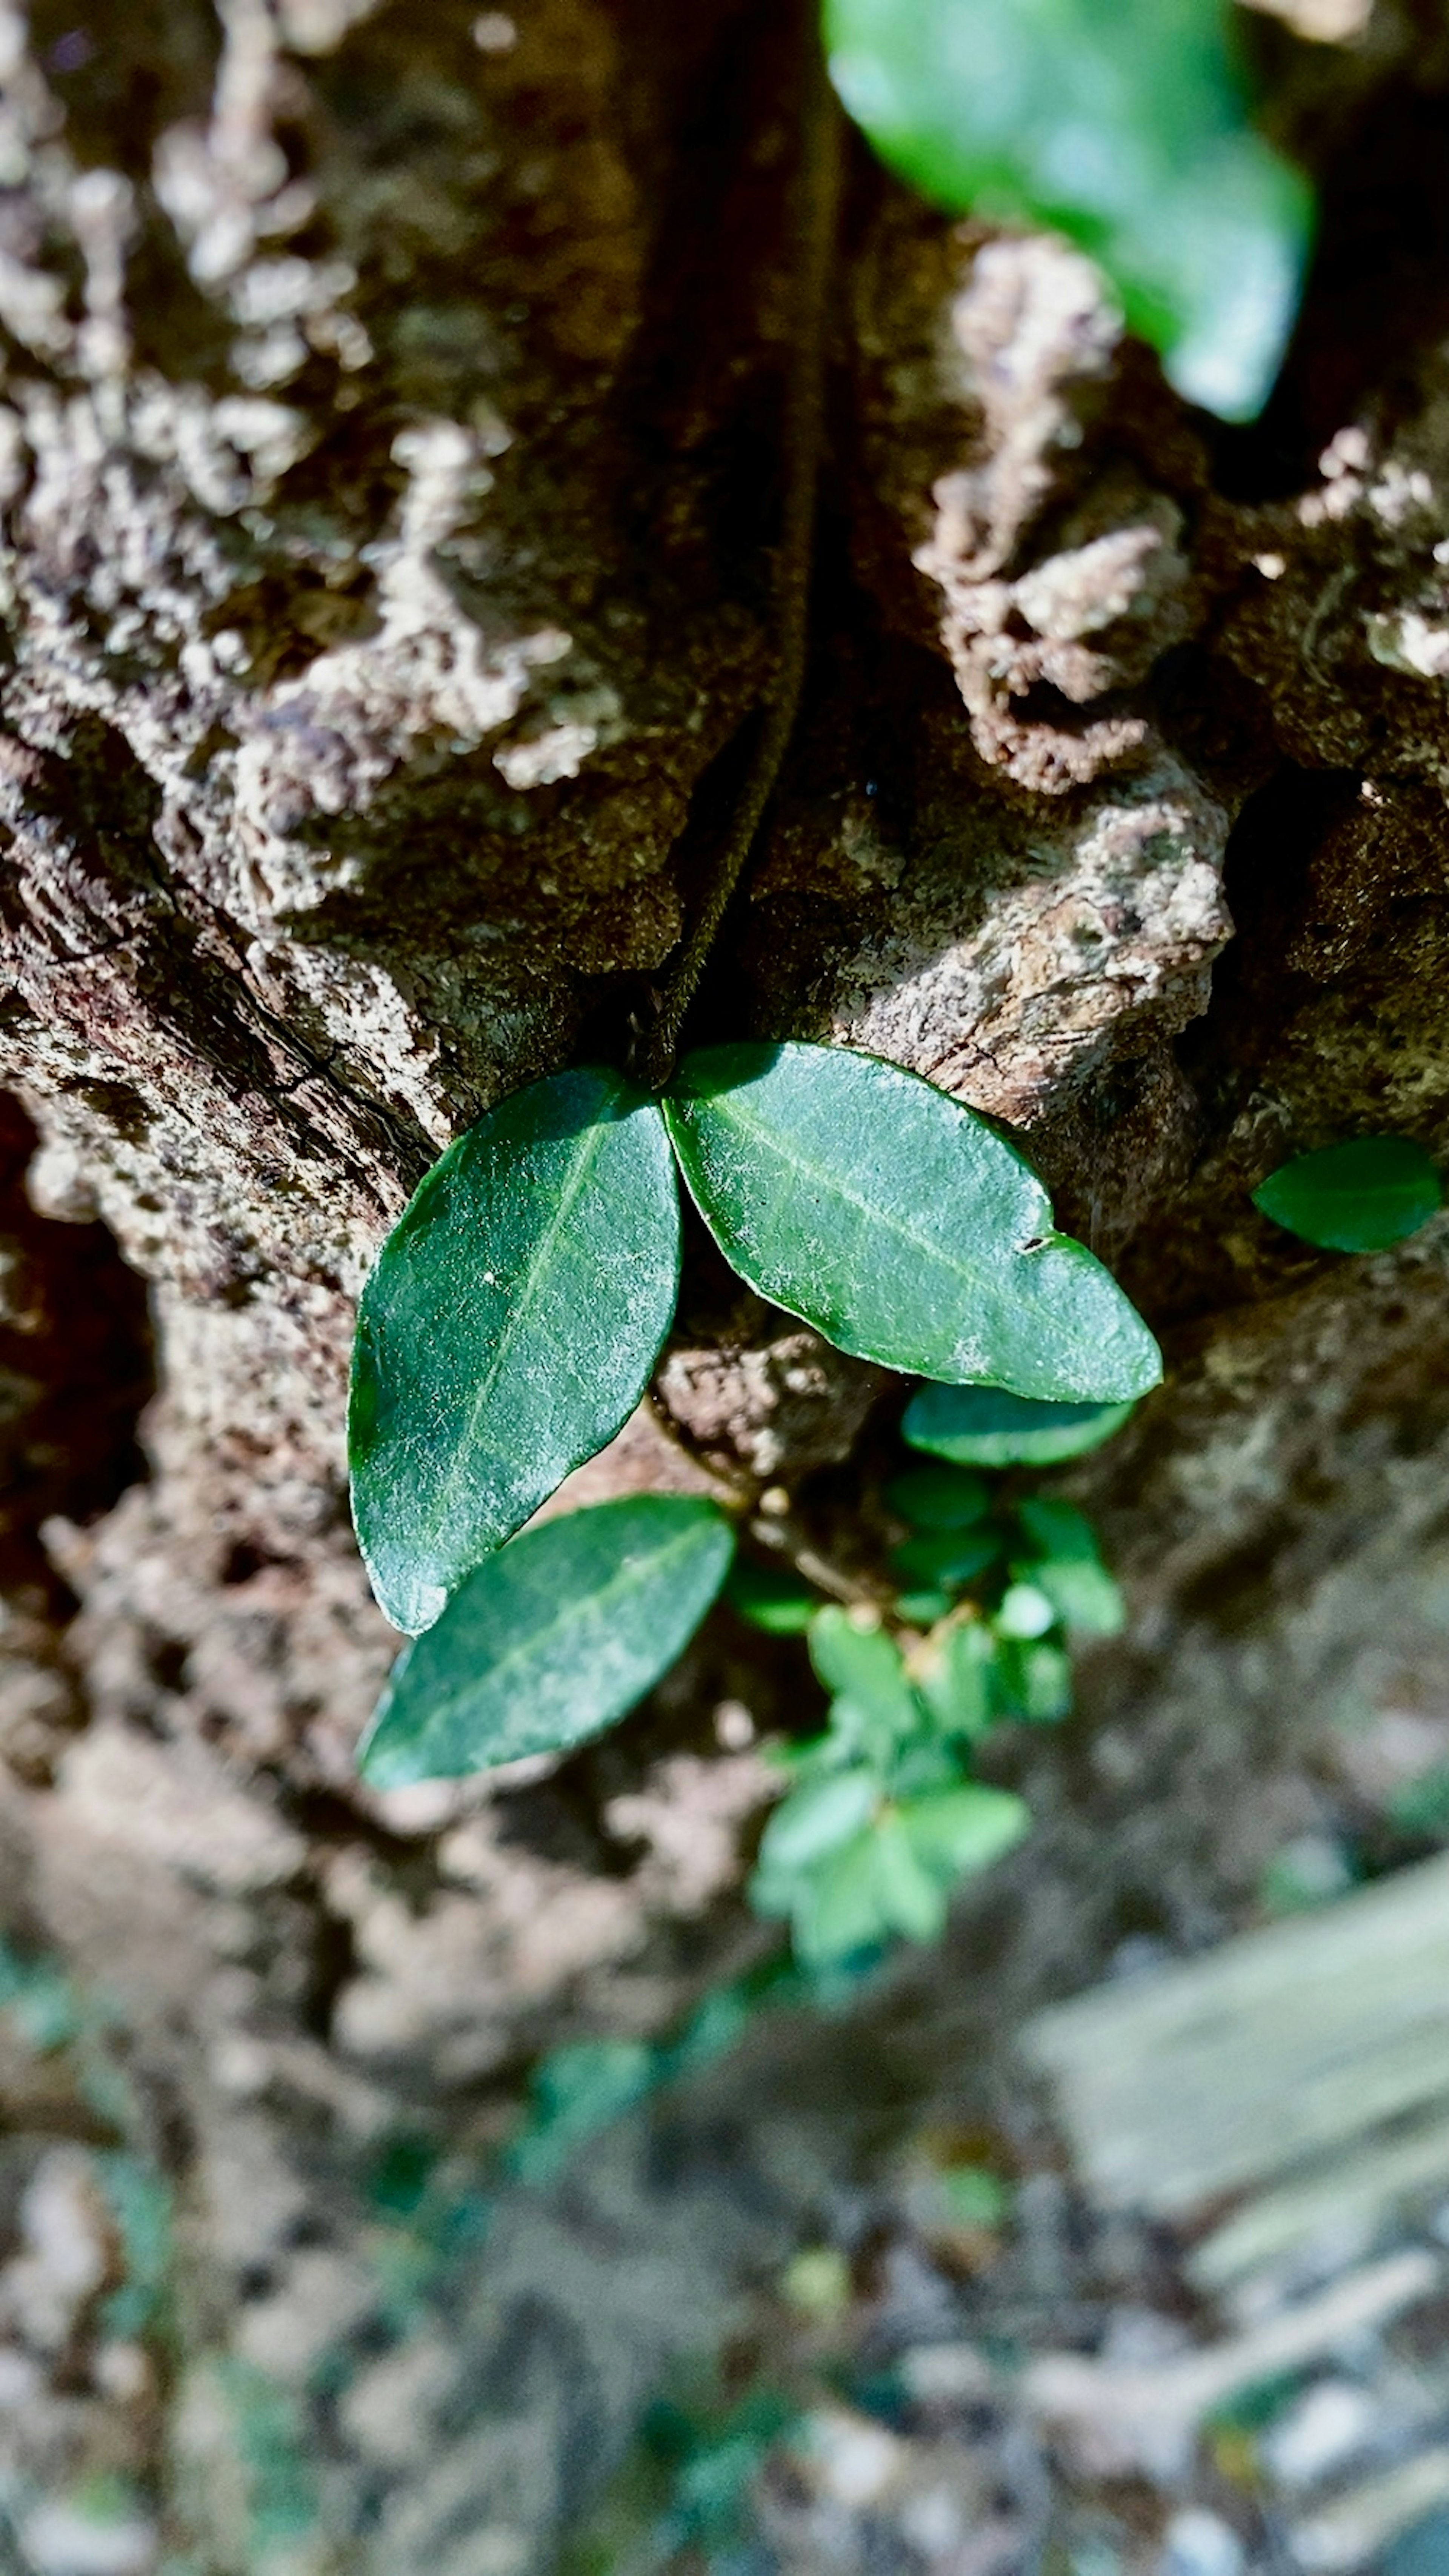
(1359, 1197)
(1121, 122)
(508, 1329)
(981, 1426)
(898, 1223)
(550, 1640)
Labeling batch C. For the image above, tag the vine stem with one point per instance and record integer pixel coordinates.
(816, 193)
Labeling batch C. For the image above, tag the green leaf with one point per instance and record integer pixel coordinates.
(862, 1663)
(834, 1908)
(1066, 1564)
(898, 1223)
(1359, 1197)
(1025, 1612)
(953, 1677)
(959, 1830)
(550, 1640)
(1034, 1681)
(814, 1819)
(923, 1609)
(1058, 1530)
(1121, 122)
(948, 1556)
(939, 1498)
(911, 1897)
(508, 1329)
(1084, 1596)
(772, 1597)
(981, 1426)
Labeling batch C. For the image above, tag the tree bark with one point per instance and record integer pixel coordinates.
(389, 470)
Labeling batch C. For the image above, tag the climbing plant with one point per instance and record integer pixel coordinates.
(516, 1313)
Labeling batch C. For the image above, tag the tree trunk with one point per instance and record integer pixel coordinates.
(389, 459)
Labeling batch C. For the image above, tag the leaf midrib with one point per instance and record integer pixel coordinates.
(447, 1492)
(973, 1274)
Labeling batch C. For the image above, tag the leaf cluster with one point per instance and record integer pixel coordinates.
(516, 1312)
(883, 1819)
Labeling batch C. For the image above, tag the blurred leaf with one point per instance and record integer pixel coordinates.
(1359, 1197)
(1058, 1530)
(947, 1556)
(923, 1609)
(1067, 1566)
(834, 1907)
(508, 1328)
(1084, 1597)
(911, 1895)
(975, 2196)
(939, 1498)
(957, 1831)
(814, 1819)
(898, 1223)
(550, 1640)
(1124, 124)
(1024, 1611)
(1034, 1681)
(772, 1597)
(864, 1665)
(1421, 1806)
(983, 1426)
(577, 2091)
(954, 1677)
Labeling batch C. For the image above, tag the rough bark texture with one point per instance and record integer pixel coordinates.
(387, 463)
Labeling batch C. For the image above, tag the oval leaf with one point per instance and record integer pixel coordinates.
(982, 1426)
(550, 1640)
(864, 1664)
(1359, 1197)
(1124, 125)
(956, 1830)
(898, 1223)
(814, 1819)
(508, 1329)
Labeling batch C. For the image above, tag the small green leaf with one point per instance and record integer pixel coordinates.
(550, 1640)
(1121, 122)
(982, 1426)
(1084, 1596)
(1025, 1611)
(772, 1597)
(898, 1223)
(812, 1820)
(947, 1557)
(834, 1908)
(1359, 1197)
(1058, 1530)
(953, 1676)
(863, 1664)
(1066, 1564)
(939, 1498)
(959, 1830)
(912, 1898)
(1034, 1681)
(923, 1609)
(508, 1329)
